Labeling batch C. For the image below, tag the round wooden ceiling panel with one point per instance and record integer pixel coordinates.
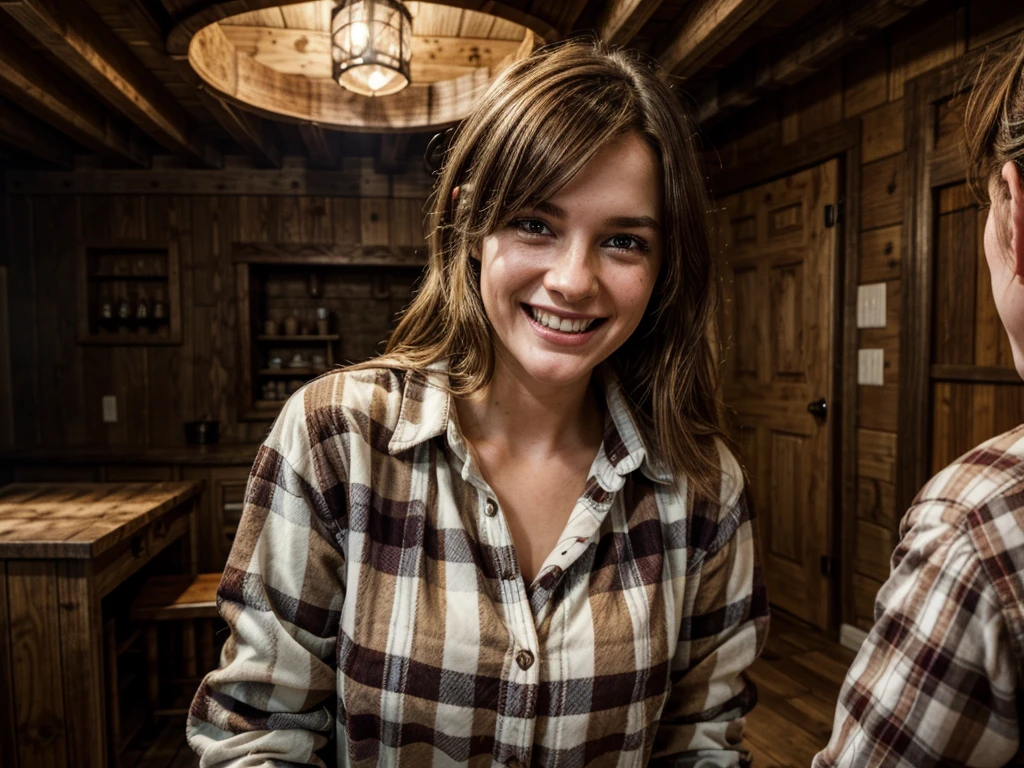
(277, 61)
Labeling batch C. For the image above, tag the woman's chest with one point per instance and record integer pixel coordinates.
(441, 629)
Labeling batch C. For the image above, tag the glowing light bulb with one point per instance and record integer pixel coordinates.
(359, 34)
(377, 80)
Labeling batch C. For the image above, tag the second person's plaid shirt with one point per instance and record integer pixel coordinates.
(373, 596)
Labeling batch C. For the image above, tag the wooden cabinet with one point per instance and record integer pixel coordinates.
(220, 508)
(128, 293)
(304, 308)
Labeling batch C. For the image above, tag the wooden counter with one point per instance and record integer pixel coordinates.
(62, 548)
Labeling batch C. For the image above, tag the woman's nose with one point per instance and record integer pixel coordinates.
(573, 274)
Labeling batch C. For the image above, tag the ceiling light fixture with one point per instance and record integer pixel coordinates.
(371, 45)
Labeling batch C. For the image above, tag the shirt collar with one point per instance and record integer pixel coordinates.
(427, 412)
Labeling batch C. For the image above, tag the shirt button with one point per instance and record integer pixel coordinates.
(490, 509)
(524, 659)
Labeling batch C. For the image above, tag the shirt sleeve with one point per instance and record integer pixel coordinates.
(935, 681)
(724, 626)
(272, 700)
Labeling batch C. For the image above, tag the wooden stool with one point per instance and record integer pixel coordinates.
(182, 598)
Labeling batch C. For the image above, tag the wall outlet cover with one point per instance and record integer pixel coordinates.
(109, 409)
(871, 305)
(871, 367)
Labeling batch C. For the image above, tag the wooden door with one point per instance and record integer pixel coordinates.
(777, 257)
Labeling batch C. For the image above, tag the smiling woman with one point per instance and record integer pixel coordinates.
(518, 537)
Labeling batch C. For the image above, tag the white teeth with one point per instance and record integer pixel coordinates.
(562, 324)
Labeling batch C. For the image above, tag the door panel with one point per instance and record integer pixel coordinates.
(777, 259)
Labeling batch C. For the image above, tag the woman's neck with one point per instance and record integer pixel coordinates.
(527, 419)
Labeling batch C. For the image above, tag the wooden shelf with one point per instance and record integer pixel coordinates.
(136, 272)
(308, 337)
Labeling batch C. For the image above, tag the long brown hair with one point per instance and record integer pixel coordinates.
(535, 128)
(994, 120)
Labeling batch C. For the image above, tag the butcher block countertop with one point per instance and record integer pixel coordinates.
(81, 520)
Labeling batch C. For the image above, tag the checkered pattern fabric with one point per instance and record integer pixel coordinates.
(938, 680)
(374, 597)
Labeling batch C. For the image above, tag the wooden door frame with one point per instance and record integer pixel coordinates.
(926, 169)
(841, 141)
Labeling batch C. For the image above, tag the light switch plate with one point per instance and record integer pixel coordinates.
(871, 367)
(871, 305)
(109, 409)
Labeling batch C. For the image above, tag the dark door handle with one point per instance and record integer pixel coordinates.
(818, 409)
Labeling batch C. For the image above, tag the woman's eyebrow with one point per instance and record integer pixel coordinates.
(629, 222)
(633, 222)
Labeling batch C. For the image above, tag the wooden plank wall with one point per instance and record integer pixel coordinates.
(868, 84)
(58, 383)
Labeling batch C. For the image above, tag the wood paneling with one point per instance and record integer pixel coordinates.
(916, 50)
(965, 414)
(876, 455)
(37, 691)
(874, 546)
(876, 502)
(864, 589)
(883, 132)
(160, 388)
(877, 406)
(881, 193)
(866, 73)
(881, 251)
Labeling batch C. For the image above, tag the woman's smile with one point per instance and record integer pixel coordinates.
(568, 280)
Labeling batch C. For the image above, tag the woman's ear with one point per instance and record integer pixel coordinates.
(455, 193)
(1011, 175)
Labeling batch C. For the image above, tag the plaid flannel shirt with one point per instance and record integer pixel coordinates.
(938, 679)
(373, 594)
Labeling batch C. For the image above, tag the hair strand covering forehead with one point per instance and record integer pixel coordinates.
(538, 124)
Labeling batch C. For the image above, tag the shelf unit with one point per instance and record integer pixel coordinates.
(362, 288)
(129, 293)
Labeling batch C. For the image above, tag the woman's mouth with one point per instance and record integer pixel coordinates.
(563, 325)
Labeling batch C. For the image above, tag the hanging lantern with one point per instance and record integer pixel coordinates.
(371, 44)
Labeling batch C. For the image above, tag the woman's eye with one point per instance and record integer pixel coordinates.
(531, 226)
(627, 243)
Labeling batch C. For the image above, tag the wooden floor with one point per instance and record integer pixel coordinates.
(798, 679)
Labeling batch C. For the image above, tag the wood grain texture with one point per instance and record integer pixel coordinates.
(8, 727)
(881, 251)
(956, 270)
(81, 657)
(874, 548)
(33, 609)
(882, 193)
(876, 455)
(883, 132)
(80, 520)
(78, 38)
(865, 589)
(43, 91)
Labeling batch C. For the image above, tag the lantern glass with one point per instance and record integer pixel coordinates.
(371, 45)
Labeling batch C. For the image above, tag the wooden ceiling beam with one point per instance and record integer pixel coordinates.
(39, 88)
(73, 33)
(706, 28)
(621, 20)
(27, 134)
(318, 146)
(257, 137)
(789, 60)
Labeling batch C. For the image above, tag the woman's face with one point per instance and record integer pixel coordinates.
(565, 283)
(1007, 288)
